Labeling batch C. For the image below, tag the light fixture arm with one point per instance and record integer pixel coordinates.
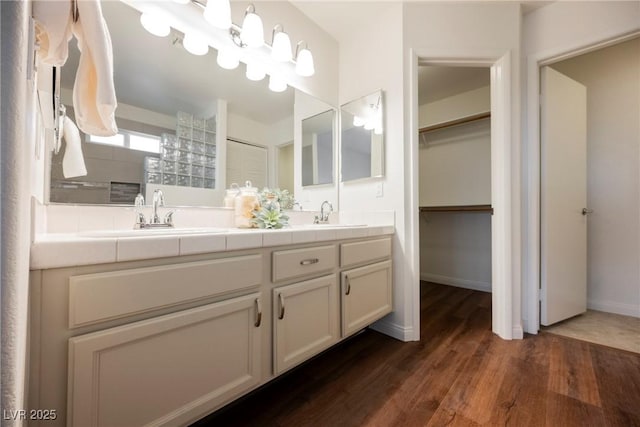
(276, 30)
(300, 43)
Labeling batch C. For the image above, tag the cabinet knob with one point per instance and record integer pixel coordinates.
(348, 290)
(309, 261)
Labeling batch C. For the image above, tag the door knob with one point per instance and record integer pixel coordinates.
(586, 211)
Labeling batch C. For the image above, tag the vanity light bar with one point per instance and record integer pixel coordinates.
(251, 34)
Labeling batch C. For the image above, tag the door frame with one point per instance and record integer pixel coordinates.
(532, 277)
(505, 173)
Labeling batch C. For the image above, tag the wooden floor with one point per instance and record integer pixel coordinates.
(459, 374)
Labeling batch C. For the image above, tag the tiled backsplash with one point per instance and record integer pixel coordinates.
(62, 218)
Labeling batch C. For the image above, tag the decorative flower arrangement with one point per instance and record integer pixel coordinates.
(270, 214)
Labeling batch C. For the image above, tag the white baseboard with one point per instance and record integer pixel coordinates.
(393, 330)
(614, 307)
(454, 281)
(517, 333)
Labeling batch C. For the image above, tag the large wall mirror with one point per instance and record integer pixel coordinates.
(317, 148)
(237, 127)
(362, 138)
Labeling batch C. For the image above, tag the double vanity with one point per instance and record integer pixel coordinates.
(164, 328)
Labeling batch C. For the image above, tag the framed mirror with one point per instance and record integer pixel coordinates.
(362, 138)
(317, 148)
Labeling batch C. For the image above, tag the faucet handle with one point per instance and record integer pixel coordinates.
(168, 218)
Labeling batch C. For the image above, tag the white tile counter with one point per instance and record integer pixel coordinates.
(53, 250)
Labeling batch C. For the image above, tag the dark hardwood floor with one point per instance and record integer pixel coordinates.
(459, 374)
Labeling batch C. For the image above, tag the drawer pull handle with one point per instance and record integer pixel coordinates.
(281, 300)
(309, 261)
(258, 313)
(348, 290)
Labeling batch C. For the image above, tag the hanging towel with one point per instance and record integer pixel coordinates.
(94, 97)
(73, 160)
(53, 30)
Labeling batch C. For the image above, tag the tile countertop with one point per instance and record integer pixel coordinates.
(54, 250)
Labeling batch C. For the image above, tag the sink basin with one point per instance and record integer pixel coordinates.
(153, 232)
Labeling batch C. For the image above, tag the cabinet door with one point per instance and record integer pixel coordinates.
(305, 320)
(168, 370)
(366, 296)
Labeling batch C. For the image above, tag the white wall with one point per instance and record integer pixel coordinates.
(371, 58)
(553, 31)
(454, 107)
(612, 78)
(455, 163)
(455, 249)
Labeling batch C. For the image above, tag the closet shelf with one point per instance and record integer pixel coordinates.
(456, 122)
(462, 208)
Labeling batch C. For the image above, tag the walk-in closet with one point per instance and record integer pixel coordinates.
(455, 176)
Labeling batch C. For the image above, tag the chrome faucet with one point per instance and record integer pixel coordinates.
(154, 221)
(158, 201)
(324, 217)
(139, 204)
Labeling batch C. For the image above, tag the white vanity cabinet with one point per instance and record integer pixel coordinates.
(366, 292)
(166, 341)
(305, 314)
(163, 370)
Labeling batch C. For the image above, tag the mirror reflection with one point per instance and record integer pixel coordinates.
(317, 148)
(240, 123)
(362, 138)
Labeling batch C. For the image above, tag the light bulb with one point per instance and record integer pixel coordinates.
(358, 121)
(218, 13)
(304, 63)
(195, 45)
(277, 84)
(378, 129)
(252, 33)
(369, 125)
(255, 72)
(227, 59)
(281, 49)
(154, 25)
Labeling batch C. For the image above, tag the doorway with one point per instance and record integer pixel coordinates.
(612, 248)
(505, 169)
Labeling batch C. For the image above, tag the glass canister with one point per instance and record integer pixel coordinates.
(246, 202)
(230, 195)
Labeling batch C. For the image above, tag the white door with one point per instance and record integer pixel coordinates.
(563, 197)
(246, 162)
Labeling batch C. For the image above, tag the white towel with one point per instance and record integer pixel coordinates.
(73, 160)
(94, 96)
(53, 30)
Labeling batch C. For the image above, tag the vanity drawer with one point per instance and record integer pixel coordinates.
(104, 296)
(303, 262)
(364, 252)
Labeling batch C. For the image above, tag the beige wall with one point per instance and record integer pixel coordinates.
(612, 78)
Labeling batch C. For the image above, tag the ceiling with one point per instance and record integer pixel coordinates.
(157, 74)
(339, 18)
